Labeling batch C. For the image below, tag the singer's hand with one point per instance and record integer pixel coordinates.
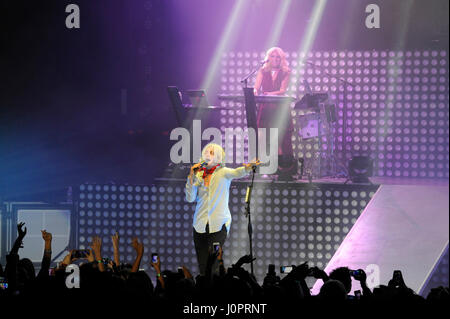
(193, 169)
(254, 163)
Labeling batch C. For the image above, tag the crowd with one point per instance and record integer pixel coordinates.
(182, 293)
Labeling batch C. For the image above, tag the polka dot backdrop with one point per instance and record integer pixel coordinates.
(397, 110)
(292, 222)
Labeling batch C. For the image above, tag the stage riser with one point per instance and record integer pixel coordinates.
(405, 227)
(292, 222)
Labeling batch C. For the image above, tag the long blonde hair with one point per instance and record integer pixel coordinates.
(283, 65)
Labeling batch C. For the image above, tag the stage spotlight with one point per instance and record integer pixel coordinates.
(360, 168)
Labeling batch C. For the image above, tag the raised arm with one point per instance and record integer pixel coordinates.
(18, 243)
(157, 267)
(139, 247)
(97, 249)
(115, 242)
(362, 277)
(46, 259)
(239, 172)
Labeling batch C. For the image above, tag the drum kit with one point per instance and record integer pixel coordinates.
(314, 120)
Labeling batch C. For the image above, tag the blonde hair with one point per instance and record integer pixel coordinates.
(284, 64)
(219, 153)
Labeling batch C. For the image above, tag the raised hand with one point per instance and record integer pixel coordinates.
(97, 247)
(18, 243)
(254, 163)
(46, 236)
(246, 259)
(115, 240)
(156, 265)
(96, 243)
(318, 273)
(90, 256)
(361, 277)
(300, 271)
(68, 259)
(139, 247)
(186, 272)
(21, 232)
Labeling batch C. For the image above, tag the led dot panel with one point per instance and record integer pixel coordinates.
(397, 109)
(105, 209)
(292, 222)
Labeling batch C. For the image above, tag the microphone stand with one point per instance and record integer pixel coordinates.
(245, 79)
(248, 198)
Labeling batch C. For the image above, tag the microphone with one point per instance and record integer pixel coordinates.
(263, 62)
(203, 164)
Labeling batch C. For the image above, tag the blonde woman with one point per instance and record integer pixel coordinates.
(208, 184)
(273, 79)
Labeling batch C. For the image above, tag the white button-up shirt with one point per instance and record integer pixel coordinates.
(212, 201)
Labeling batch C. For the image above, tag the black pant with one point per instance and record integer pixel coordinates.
(204, 243)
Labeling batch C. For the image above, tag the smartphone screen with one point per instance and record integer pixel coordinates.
(3, 283)
(154, 258)
(285, 269)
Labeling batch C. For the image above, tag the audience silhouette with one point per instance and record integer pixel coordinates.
(180, 292)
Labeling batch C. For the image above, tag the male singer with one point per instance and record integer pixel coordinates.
(208, 184)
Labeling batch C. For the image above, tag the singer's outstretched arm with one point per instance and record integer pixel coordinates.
(239, 172)
(231, 173)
